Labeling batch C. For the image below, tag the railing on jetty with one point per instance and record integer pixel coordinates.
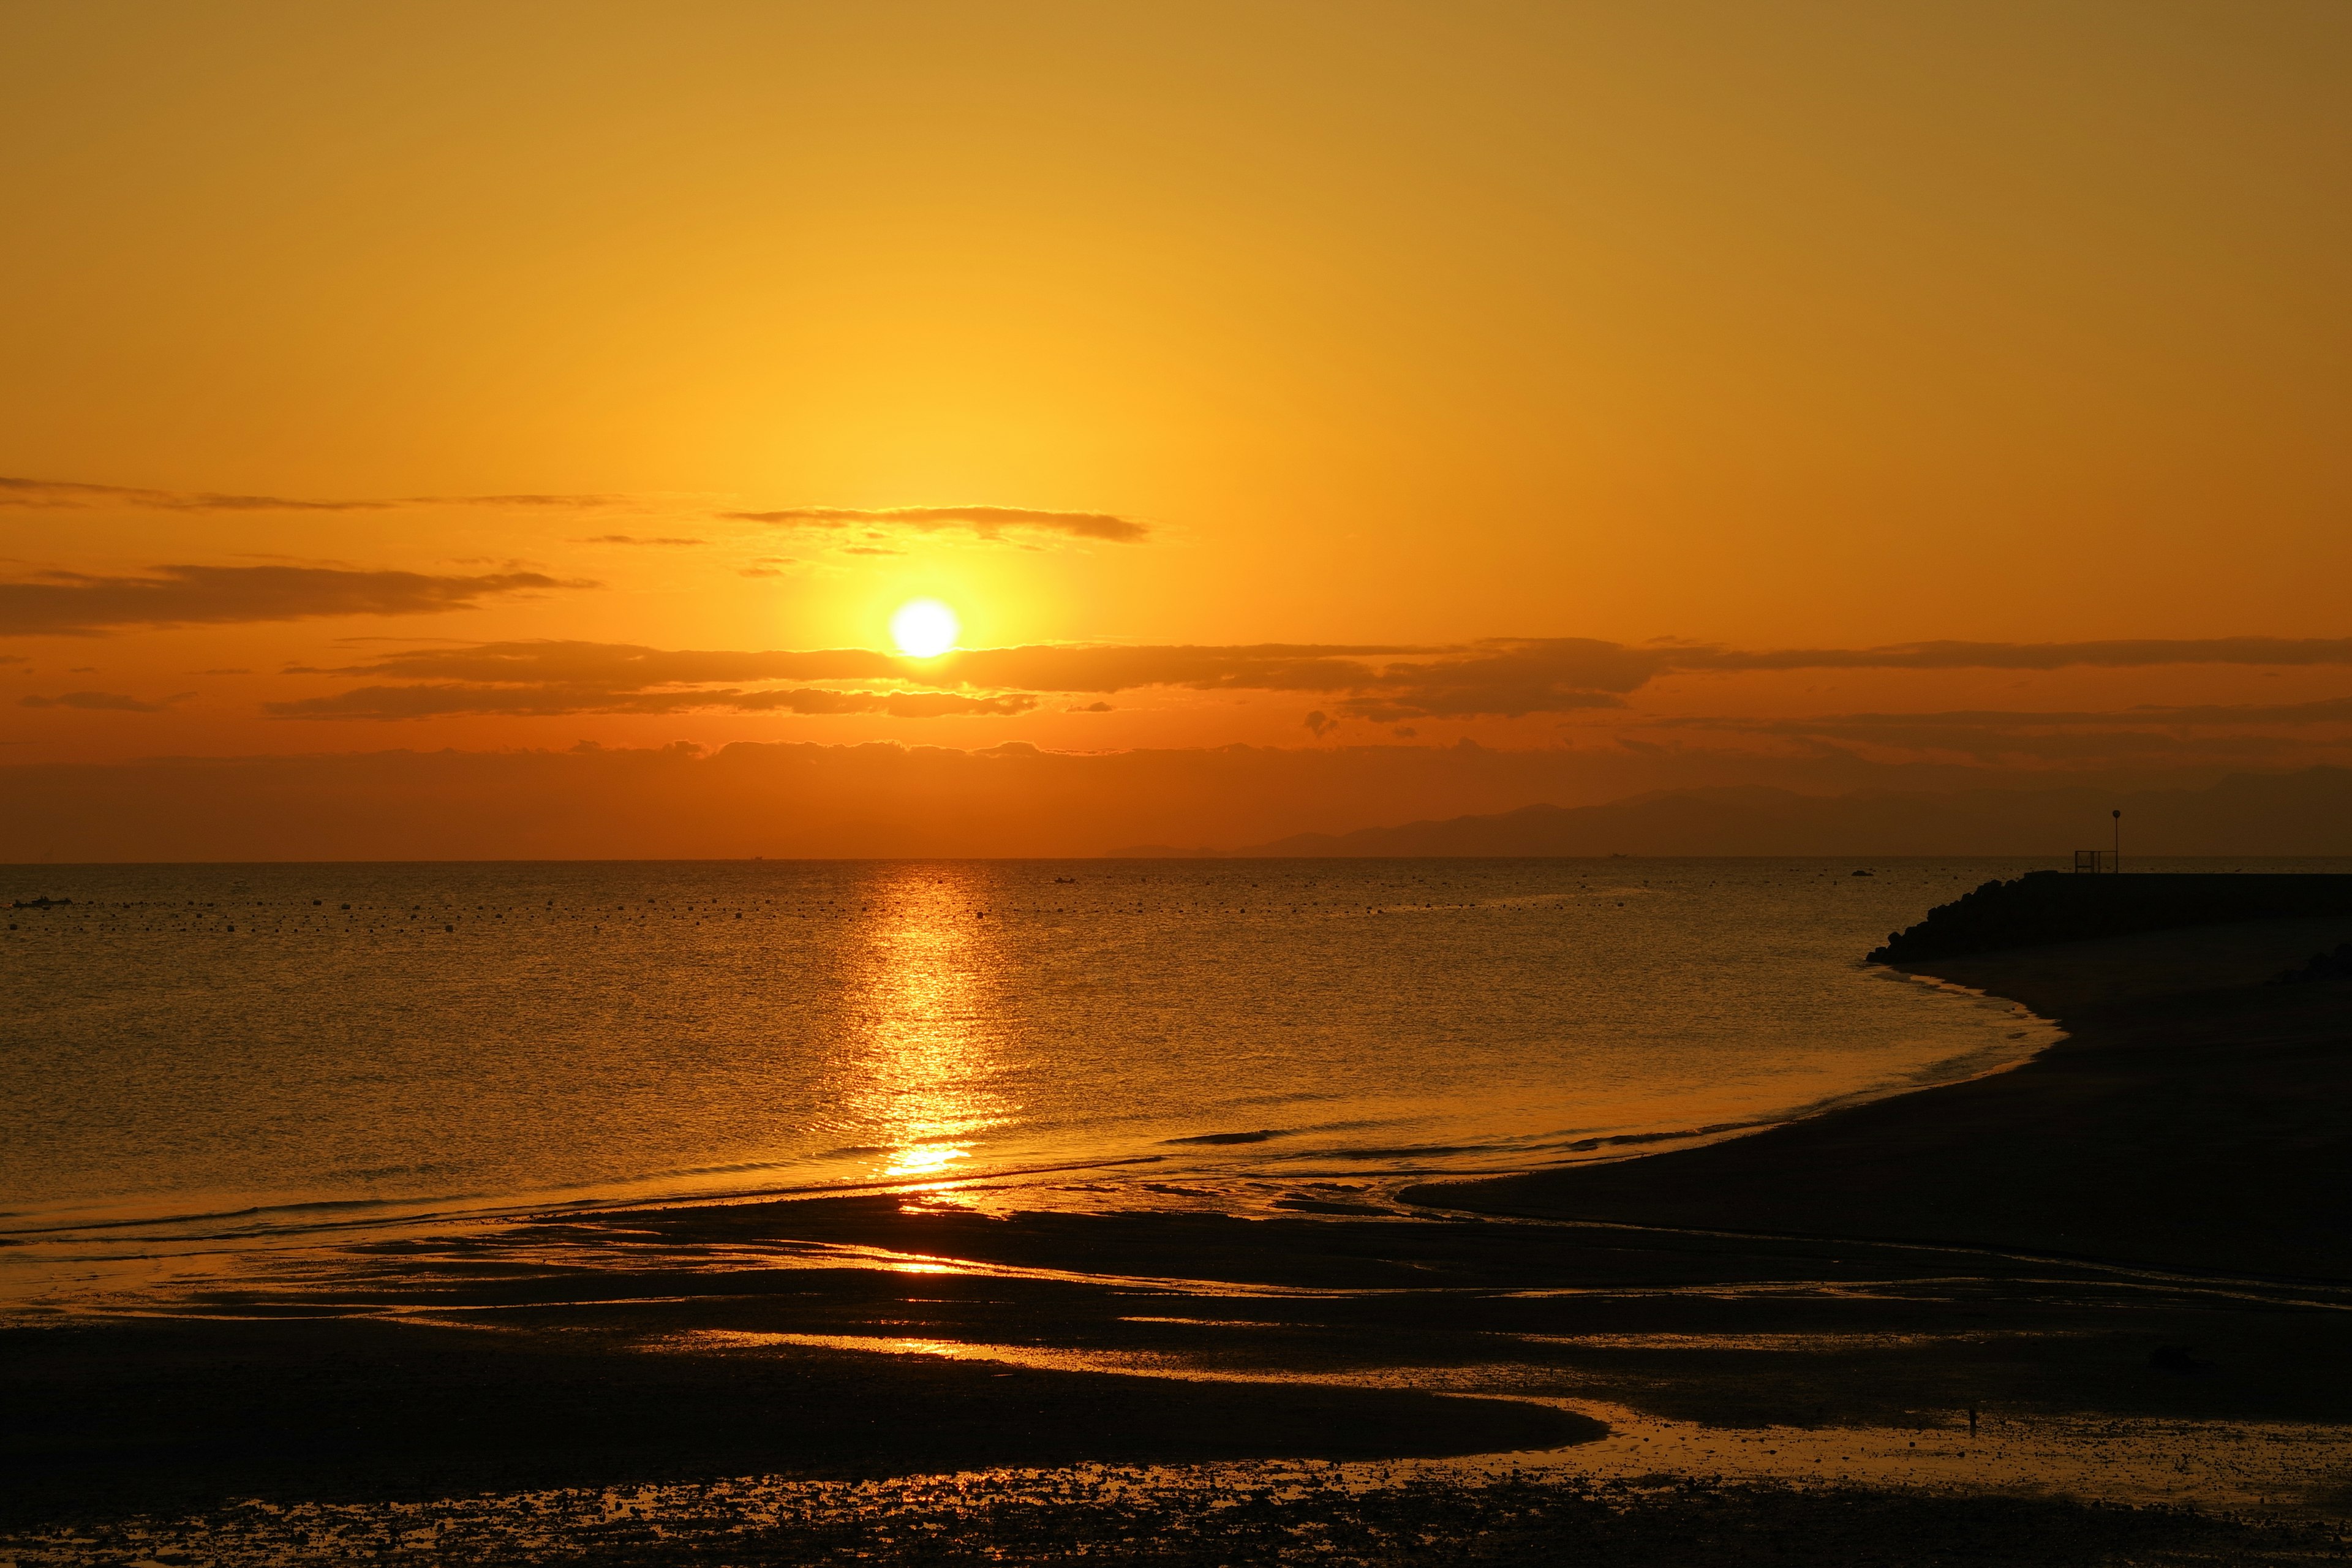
(2052, 906)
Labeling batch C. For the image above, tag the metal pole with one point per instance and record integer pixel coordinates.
(2119, 839)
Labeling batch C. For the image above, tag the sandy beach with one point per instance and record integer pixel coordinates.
(2034, 1317)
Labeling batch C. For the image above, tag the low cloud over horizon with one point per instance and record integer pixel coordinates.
(1631, 697)
(381, 703)
(783, 799)
(1493, 677)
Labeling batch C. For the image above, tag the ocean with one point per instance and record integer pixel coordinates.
(196, 1056)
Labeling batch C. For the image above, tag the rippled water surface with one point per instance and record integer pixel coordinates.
(282, 1046)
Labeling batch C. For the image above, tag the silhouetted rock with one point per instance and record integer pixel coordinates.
(2336, 965)
(44, 902)
(2057, 906)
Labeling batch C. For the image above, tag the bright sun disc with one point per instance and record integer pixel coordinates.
(924, 628)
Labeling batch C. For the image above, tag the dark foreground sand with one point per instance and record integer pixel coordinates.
(2142, 1233)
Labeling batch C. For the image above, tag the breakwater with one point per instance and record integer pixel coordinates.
(2058, 906)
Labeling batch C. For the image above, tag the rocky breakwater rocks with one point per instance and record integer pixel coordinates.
(2057, 906)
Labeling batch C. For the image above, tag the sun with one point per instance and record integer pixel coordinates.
(924, 628)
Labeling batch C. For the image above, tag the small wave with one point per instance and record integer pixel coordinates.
(1261, 1136)
(62, 1223)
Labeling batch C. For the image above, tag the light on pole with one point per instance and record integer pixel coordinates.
(2119, 815)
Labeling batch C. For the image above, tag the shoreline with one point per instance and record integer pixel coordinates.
(2095, 1147)
(208, 1221)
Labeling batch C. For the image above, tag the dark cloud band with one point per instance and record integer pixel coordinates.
(103, 703)
(1386, 683)
(442, 701)
(75, 603)
(2118, 654)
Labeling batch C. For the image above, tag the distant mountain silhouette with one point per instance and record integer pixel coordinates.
(2305, 813)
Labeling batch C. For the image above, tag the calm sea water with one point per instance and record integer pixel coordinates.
(212, 1051)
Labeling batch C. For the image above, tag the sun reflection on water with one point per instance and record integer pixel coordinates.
(922, 1085)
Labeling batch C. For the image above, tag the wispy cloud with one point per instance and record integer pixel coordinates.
(620, 667)
(876, 524)
(67, 495)
(104, 701)
(75, 603)
(987, 521)
(563, 502)
(61, 495)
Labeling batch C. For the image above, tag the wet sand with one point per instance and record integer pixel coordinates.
(163, 1416)
(2025, 1319)
(1263, 1514)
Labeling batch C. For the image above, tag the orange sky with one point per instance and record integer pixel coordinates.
(1438, 332)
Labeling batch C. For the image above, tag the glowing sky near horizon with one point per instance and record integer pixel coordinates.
(732, 327)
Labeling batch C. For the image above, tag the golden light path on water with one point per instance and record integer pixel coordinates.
(924, 1079)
